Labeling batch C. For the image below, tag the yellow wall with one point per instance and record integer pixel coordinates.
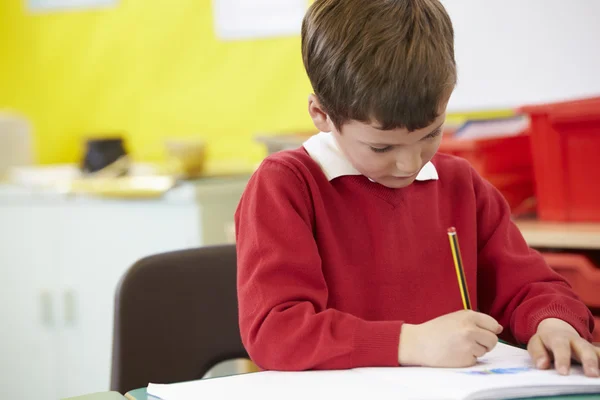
(151, 69)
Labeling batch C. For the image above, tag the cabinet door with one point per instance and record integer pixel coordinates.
(102, 239)
(28, 332)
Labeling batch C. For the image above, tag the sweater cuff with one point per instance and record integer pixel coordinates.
(526, 327)
(376, 344)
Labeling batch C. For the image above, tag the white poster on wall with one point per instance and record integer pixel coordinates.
(256, 19)
(51, 5)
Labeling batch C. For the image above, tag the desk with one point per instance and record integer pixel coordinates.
(561, 235)
(140, 394)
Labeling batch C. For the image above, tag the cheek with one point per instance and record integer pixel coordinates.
(371, 163)
(430, 148)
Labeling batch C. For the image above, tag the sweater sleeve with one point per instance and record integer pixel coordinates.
(285, 323)
(515, 285)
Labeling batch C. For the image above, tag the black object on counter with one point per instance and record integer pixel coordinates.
(101, 153)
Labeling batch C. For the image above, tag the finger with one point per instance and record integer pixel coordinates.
(587, 355)
(488, 323)
(538, 352)
(485, 338)
(561, 351)
(478, 350)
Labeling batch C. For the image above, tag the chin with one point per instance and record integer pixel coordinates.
(396, 183)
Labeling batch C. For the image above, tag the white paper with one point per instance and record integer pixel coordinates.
(273, 385)
(255, 19)
(45, 5)
(505, 372)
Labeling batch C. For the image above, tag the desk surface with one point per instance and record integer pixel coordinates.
(140, 394)
(560, 234)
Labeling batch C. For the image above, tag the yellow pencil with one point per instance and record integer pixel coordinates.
(458, 265)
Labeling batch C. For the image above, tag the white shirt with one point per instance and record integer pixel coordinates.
(324, 150)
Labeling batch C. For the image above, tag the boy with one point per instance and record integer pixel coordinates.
(343, 256)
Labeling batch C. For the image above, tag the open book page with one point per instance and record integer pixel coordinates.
(503, 373)
(309, 385)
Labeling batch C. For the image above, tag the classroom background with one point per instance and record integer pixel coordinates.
(129, 128)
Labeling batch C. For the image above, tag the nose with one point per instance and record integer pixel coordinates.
(408, 162)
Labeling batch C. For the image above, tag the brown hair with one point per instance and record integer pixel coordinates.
(389, 62)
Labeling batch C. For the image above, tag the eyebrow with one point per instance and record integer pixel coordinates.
(387, 144)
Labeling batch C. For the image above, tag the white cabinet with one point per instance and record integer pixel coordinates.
(100, 241)
(60, 261)
(27, 311)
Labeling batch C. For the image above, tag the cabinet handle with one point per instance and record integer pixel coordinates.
(70, 307)
(46, 309)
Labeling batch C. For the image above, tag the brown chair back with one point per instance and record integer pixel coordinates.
(176, 317)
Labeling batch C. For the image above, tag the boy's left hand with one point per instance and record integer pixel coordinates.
(556, 339)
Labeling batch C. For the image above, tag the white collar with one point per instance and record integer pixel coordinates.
(324, 150)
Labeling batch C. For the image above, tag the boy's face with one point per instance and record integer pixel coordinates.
(392, 158)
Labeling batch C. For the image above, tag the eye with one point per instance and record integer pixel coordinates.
(433, 134)
(380, 149)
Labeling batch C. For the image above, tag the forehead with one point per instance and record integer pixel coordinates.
(369, 132)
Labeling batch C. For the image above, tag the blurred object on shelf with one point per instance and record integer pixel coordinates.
(450, 129)
(500, 151)
(493, 128)
(142, 181)
(493, 146)
(105, 156)
(565, 141)
(134, 187)
(224, 168)
(457, 119)
(519, 192)
(286, 141)
(526, 209)
(186, 158)
(59, 175)
(16, 148)
(121, 178)
(43, 176)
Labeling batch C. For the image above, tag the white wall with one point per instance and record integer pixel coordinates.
(514, 52)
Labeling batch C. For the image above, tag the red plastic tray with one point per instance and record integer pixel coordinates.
(565, 143)
(493, 156)
(517, 189)
(505, 162)
(580, 272)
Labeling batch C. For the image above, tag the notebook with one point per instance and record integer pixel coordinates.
(504, 373)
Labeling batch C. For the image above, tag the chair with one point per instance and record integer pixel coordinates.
(176, 317)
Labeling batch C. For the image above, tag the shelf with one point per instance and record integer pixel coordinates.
(561, 234)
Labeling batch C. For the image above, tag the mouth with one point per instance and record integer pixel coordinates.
(405, 177)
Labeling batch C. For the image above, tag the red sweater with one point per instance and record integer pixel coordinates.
(329, 271)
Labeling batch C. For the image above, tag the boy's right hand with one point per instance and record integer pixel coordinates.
(454, 340)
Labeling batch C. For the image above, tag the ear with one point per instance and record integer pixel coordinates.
(318, 115)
